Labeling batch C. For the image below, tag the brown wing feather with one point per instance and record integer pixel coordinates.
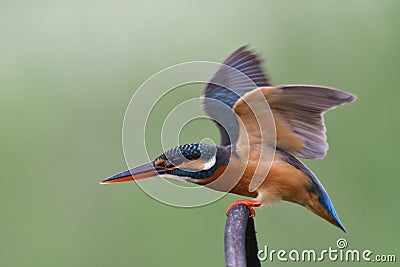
(298, 117)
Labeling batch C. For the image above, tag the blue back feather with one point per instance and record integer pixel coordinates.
(244, 74)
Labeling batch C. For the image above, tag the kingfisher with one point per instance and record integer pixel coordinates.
(264, 129)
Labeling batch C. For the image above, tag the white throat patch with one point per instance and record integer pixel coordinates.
(208, 164)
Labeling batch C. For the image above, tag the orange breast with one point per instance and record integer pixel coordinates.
(283, 181)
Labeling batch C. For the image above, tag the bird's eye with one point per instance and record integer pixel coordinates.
(167, 164)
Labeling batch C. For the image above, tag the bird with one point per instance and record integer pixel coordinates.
(264, 129)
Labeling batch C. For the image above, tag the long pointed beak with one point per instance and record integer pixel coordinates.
(141, 172)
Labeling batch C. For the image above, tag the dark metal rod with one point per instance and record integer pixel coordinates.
(240, 239)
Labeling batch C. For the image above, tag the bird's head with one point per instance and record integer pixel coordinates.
(191, 162)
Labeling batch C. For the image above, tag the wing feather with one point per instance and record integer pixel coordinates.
(240, 73)
(298, 116)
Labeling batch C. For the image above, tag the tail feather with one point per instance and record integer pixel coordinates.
(319, 201)
(323, 207)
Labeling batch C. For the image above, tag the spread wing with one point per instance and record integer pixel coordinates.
(240, 74)
(297, 111)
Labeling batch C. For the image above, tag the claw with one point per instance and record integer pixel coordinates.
(247, 202)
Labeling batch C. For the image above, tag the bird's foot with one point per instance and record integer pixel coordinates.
(250, 203)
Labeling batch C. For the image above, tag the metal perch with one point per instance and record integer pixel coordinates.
(240, 239)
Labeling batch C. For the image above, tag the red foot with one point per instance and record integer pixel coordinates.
(250, 203)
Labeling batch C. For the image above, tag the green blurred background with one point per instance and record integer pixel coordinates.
(69, 68)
